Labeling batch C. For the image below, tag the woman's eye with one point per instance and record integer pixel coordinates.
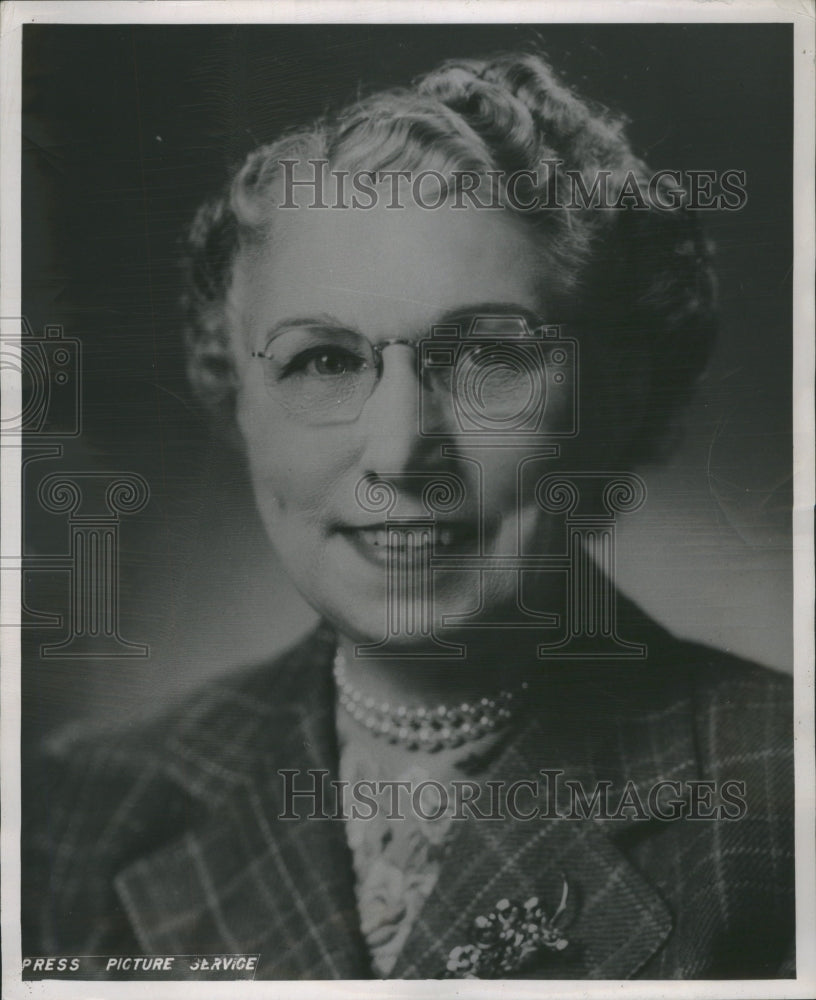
(326, 363)
(334, 363)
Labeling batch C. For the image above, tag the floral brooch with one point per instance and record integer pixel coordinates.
(508, 940)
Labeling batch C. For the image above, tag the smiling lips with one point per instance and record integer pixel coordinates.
(376, 542)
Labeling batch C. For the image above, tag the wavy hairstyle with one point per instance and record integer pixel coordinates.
(643, 277)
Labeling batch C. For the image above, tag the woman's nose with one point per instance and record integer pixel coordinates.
(391, 417)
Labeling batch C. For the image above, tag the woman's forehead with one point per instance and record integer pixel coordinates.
(387, 268)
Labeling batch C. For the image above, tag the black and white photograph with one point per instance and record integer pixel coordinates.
(407, 448)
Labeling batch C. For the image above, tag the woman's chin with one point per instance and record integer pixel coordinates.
(409, 611)
(406, 623)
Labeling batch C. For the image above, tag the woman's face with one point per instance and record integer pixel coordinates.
(389, 275)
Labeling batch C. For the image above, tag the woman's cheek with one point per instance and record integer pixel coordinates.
(285, 490)
(294, 474)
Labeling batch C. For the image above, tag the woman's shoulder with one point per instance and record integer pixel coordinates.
(744, 714)
(735, 715)
(736, 706)
(97, 798)
(182, 760)
(216, 707)
(731, 694)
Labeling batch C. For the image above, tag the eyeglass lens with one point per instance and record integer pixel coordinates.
(326, 376)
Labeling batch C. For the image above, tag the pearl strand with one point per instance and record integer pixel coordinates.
(422, 728)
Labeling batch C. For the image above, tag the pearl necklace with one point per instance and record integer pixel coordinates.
(422, 728)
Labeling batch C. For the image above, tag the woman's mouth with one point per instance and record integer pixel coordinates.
(413, 541)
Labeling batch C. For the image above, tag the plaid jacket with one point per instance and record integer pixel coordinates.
(168, 841)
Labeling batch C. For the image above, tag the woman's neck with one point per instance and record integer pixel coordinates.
(492, 662)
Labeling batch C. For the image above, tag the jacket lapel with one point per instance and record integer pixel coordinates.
(619, 920)
(615, 921)
(245, 881)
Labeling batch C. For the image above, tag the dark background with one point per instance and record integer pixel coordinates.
(127, 129)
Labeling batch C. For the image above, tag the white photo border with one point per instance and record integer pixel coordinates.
(802, 15)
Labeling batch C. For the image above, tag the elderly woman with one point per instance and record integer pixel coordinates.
(445, 326)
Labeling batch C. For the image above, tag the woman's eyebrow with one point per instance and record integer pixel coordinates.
(323, 320)
(458, 314)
